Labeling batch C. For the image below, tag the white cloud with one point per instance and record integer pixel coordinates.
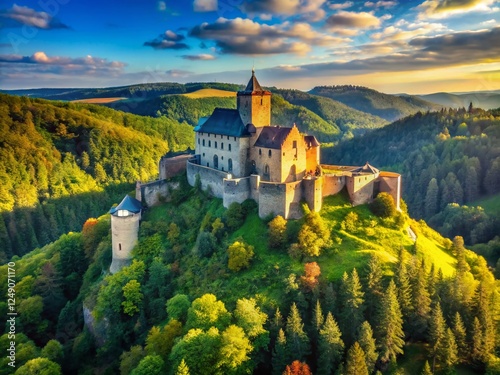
(345, 5)
(352, 20)
(440, 9)
(283, 7)
(205, 5)
(30, 17)
(201, 56)
(381, 4)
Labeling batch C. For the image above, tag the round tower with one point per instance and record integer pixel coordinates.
(124, 231)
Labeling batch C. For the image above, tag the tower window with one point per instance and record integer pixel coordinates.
(294, 144)
(222, 146)
(120, 246)
(260, 151)
(203, 142)
(229, 147)
(198, 140)
(230, 165)
(208, 164)
(234, 139)
(215, 144)
(270, 153)
(209, 143)
(260, 101)
(216, 162)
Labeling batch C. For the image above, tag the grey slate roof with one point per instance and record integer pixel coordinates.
(128, 203)
(224, 121)
(272, 137)
(367, 168)
(311, 141)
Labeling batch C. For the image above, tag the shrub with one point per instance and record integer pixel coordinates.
(277, 232)
(206, 244)
(240, 255)
(384, 205)
(235, 216)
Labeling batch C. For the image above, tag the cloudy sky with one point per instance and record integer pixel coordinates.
(411, 46)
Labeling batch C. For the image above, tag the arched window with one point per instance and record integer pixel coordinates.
(267, 174)
(216, 162)
(230, 165)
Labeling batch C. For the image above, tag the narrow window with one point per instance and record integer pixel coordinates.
(203, 142)
(260, 151)
(215, 144)
(235, 138)
(209, 143)
(230, 165)
(208, 164)
(216, 162)
(294, 144)
(229, 147)
(198, 140)
(270, 153)
(222, 146)
(228, 138)
(260, 101)
(120, 246)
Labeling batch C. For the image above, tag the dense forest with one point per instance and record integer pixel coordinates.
(61, 163)
(216, 291)
(449, 159)
(389, 107)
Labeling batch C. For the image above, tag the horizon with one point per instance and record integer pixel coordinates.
(413, 47)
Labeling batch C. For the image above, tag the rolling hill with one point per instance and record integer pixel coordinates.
(389, 107)
(485, 100)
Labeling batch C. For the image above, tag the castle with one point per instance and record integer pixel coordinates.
(239, 155)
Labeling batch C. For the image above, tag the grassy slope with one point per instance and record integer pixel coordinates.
(490, 204)
(270, 268)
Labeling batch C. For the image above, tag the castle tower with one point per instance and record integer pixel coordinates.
(124, 231)
(254, 104)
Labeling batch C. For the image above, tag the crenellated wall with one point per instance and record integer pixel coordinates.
(152, 193)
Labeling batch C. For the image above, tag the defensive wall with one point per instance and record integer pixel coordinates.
(172, 166)
(210, 178)
(152, 193)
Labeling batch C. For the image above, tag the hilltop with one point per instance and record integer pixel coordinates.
(60, 161)
(182, 262)
(480, 99)
(389, 107)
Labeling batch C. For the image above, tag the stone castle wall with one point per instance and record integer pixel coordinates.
(391, 183)
(361, 188)
(236, 190)
(152, 193)
(280, 199)
(172, 166)
(313, 192)
(208, 177)
(333, 184)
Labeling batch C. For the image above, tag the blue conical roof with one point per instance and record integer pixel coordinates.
(129, 204)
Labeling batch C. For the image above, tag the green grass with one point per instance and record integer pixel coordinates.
(491, 204)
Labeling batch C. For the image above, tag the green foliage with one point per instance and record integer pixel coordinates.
(234, 351)
(330, 346)
(182, 369)
(383, 205)
(161, 340)
(39, 366)
(206, 244)
(277, 232)
(391, 336)
(350, 222)
(297, 340)
(314, 236)
(239, 255)
(355, 363)
(177, 307)
(132, 297)
(234, 216)
(149, 365)
(53, 351)
(206, 312)
(368, 344)
(130, 360)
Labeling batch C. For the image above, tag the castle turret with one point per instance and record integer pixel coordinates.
(124, 231)
(254, 104)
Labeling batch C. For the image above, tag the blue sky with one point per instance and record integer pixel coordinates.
(415, 46)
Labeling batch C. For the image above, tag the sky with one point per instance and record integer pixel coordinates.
(405, 46)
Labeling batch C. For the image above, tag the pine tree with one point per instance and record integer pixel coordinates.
(330, 346)
(483, 309)
(427, 369)
(352, 313)
(450, 350)
(477, 347)
(391, 326)
(431, 198)
(374, 287)
(404, 288)
(368, 344)
(280, 357)
(355, 363)
(460, 337)
(318, 318)
(437, 330)
(182, 369)
(276, 323)
(297, 340)
(421, 303)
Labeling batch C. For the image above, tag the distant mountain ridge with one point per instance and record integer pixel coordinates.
(389, 107)
(480, 99)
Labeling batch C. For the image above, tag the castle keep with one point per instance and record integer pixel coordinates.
(240, 156)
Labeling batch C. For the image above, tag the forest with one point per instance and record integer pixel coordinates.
(220, 291)
(62, 163)
(450, 160)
